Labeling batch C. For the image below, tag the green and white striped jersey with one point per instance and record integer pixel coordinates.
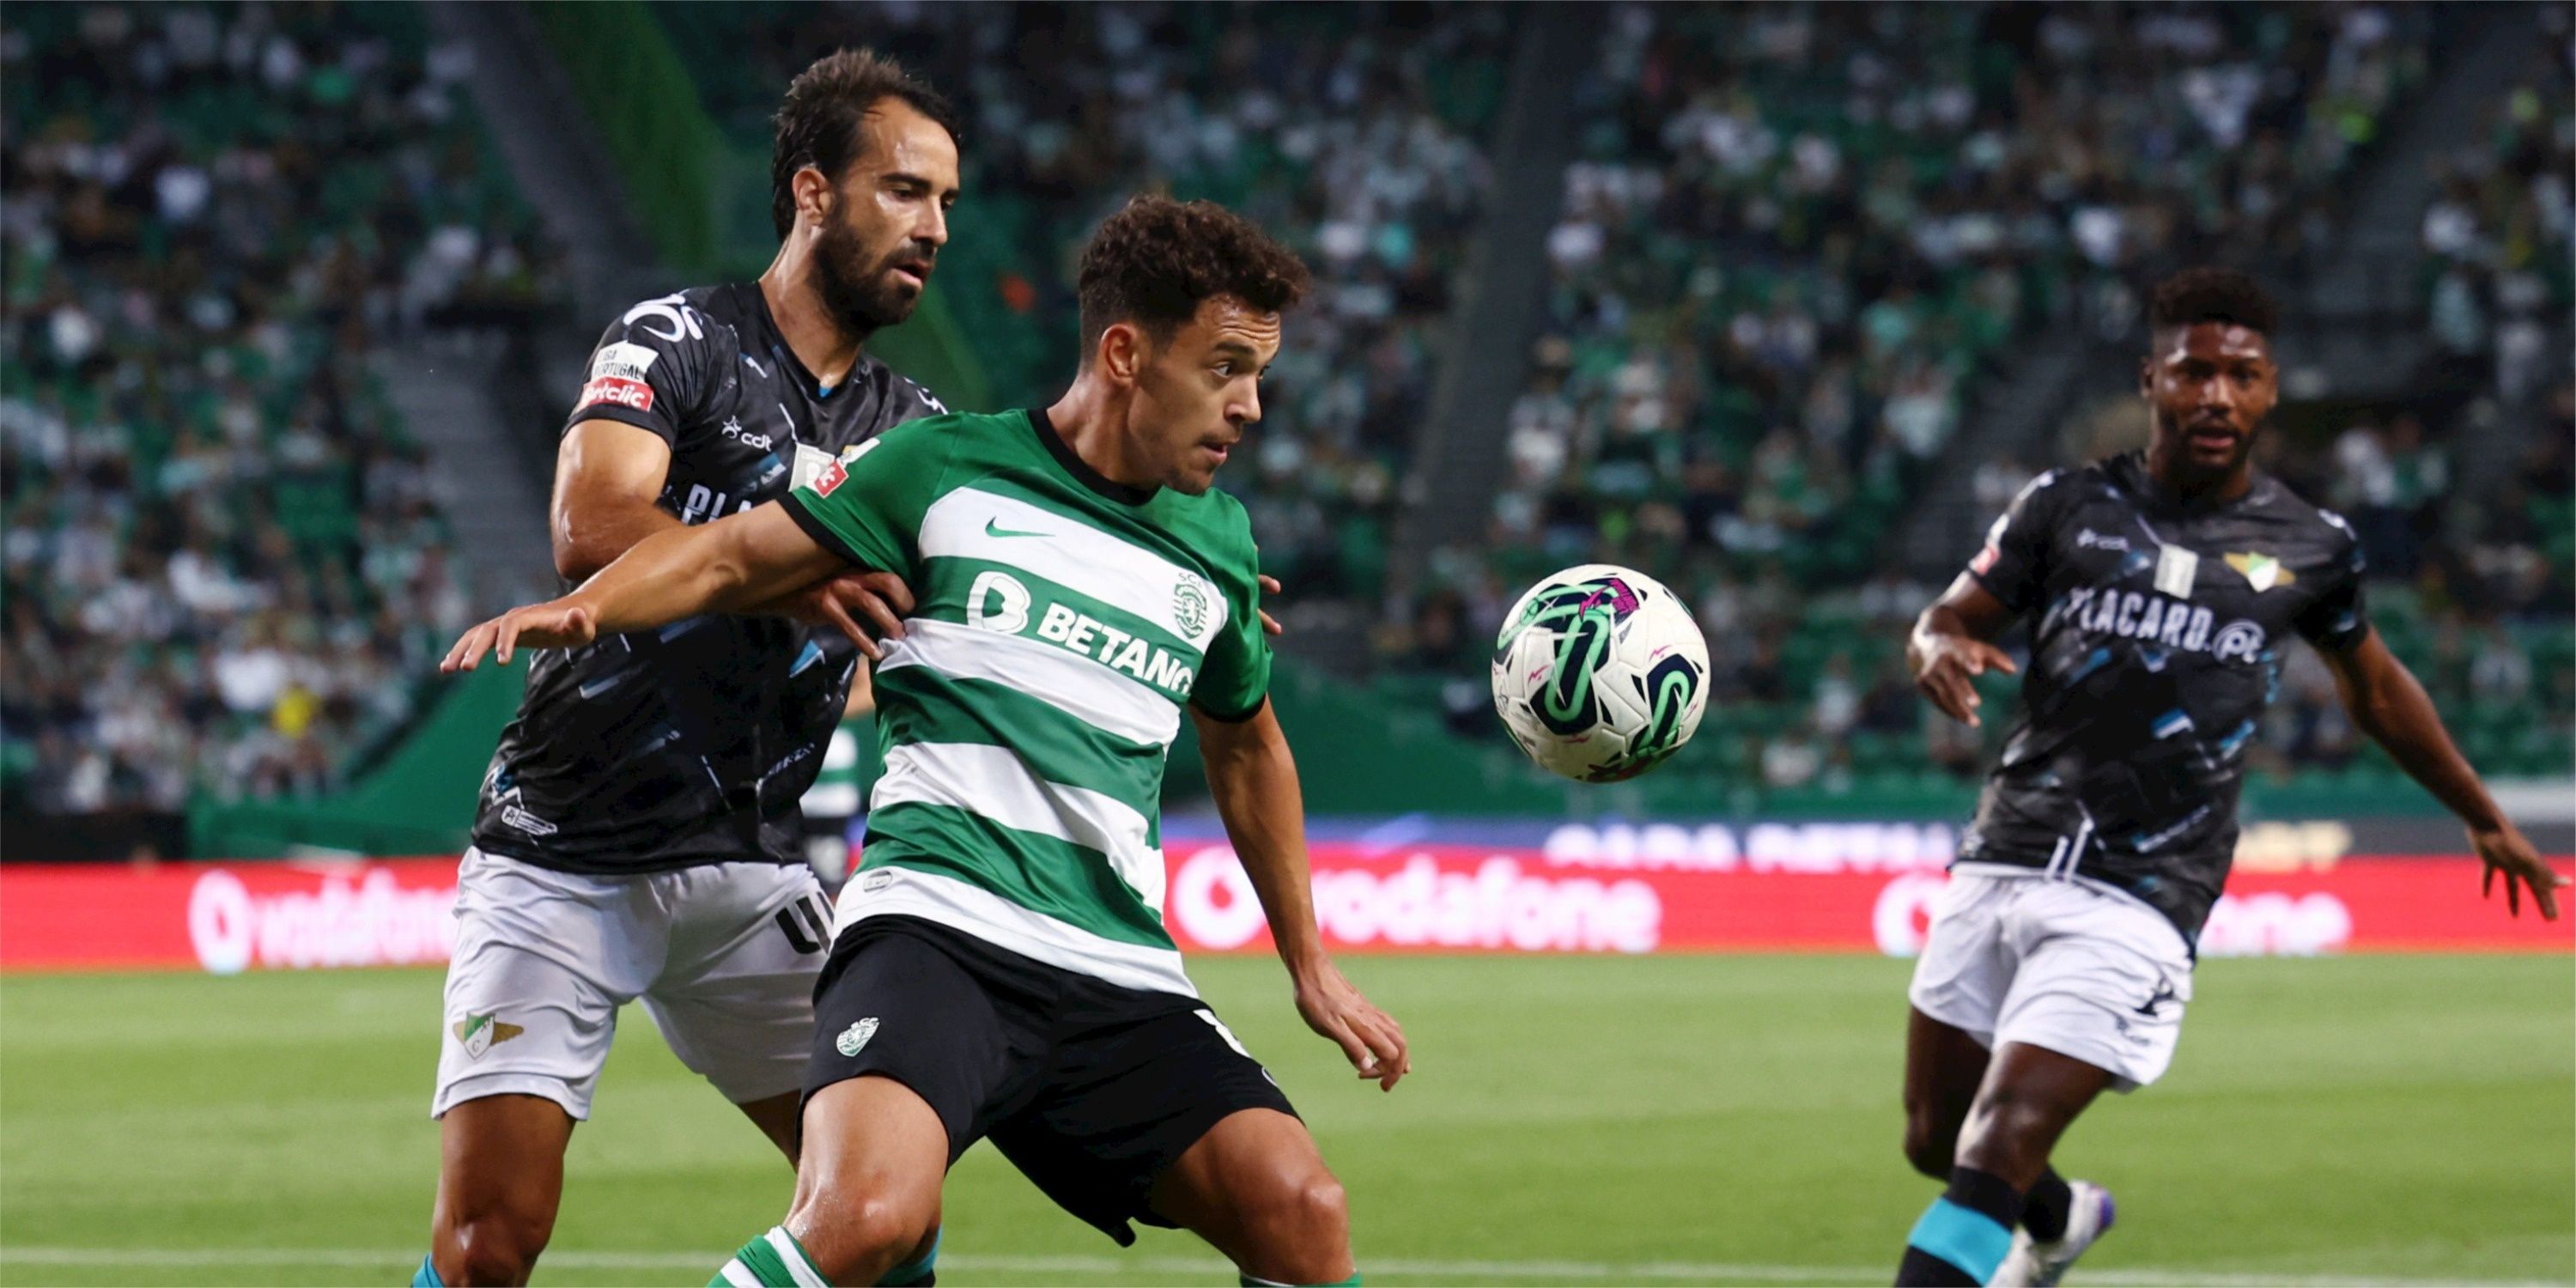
(1061, 621)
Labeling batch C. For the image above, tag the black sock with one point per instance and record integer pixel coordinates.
(2046, 1207)
(1963, 1236)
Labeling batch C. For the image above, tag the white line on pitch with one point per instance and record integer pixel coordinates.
(1399, 1267)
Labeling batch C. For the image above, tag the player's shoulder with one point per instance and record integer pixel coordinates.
(902, 397)
(1215, 524)
(2278, 502)
(700, 319)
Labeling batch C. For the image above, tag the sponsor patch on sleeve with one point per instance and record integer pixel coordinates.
(830, 478)
(620, 360)
(1985, 560)
(617, 391)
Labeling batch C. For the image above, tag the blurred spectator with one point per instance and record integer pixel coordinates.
(223, 569)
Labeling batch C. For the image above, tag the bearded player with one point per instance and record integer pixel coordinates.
(2161, 588)
(638, 834)
(1001, 968)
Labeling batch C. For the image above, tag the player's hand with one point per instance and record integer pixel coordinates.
(1946, 668)
(880, 597)
(1369, 1037)
(557, 623)
(1269, 586)
(2505, 850)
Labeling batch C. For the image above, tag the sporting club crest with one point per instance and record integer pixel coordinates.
(854, 1039)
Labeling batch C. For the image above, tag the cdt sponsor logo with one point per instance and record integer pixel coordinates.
(372, 921)
(1423, 903)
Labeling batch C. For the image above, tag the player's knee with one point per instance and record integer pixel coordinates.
(857, 1239)
(1305, 1228)
(1930, 1149)
(500, 1245)
(2010, 1132)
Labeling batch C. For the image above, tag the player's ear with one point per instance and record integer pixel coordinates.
(813, 195)
(1122, 352)
(2147, 377)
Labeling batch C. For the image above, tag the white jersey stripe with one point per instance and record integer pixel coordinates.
(735, 1273)
(1076, 685)
(994, 783)
(973, 910)
(794, 1257)
(1071, 552)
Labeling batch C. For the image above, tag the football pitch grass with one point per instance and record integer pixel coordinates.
(1570, 1120)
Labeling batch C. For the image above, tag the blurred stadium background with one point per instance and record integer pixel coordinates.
(1777, 302)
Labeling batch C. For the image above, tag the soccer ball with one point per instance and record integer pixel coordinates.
(1600, 674)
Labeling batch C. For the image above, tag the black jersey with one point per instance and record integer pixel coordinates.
(693, 743)
(2157, 628)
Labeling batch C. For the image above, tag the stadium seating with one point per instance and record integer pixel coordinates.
(223, 570)
(1352, 132)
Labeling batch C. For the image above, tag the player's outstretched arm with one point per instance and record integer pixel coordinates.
(1254, 779)
(724, 566)
(1952, 644)
(2386, 702)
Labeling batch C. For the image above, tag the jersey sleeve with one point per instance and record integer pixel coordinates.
(1234, 680)
(653, 369)
(2335, 619)
(867, 506)
(2013, 566)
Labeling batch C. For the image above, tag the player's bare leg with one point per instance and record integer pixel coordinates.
(867, 1190)
(2029, 1096)
(1256, 1188)
(500, 1179)
(776, 1119)
(1944, 1066)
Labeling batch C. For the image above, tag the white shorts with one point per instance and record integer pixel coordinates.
(2067, 966)
(724, 958)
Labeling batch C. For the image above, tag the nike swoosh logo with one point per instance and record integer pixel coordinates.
(994, 528)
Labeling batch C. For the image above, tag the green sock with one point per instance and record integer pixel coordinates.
(774, 1260)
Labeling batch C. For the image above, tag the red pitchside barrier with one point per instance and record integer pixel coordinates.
(230, 917)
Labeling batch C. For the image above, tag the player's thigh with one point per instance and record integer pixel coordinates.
(2103, 980)
(1256, 1187)
(1126, 1100)
(1967, 963)
(868, 1178)
(501, 1166)
(542, 962)
(735, 999)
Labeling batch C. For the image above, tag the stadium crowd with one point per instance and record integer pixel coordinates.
(223, 568)
(1351, 131)
(1799, 237)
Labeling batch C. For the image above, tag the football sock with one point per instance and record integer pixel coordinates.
(920, 1272)
(2046, 1207)
(1256, 1281)
(774, 1260)
(1964, 1235)
(426, 1276)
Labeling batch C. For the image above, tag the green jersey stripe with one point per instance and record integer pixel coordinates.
(921, 705)
(995, 783)
(904, 891)
(1077, 686)
(1075, 551)
(1065, 882)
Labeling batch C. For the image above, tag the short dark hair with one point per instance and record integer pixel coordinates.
(818, 124)
(2197, 295)
(1156, 259)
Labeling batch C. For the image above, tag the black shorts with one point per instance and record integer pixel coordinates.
(1091, 1090)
